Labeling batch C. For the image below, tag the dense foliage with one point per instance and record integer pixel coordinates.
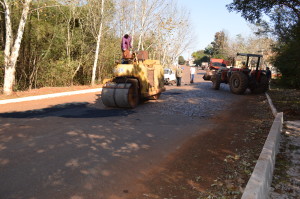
(199, 57)
(287, 60)
(58, 47)
(59, 41)
(219, 45)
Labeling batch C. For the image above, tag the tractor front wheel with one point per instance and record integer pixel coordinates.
(238, 83)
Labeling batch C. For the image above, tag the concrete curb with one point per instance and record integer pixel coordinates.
(38, 97)
(258, 186)
(274, 111)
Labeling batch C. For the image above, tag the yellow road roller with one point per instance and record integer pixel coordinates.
(135, 80)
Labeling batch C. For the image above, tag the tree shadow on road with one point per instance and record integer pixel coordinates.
(70, 110)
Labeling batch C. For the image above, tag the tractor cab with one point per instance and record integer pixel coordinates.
(257, 73)
(248, 58)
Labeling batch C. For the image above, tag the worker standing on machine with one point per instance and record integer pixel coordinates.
(126, 46)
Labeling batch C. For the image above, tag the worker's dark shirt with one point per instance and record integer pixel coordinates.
(268, 74)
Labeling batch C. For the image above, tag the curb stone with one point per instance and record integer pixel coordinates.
(259, 184)
(274, 111)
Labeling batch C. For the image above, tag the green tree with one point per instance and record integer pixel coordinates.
(209, 50)
(199, 57)
(181, 60)
(284, 15)
(219, 45)
(287, 60)
(253, 10)
(284, 24)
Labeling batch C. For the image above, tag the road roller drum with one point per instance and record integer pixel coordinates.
(123, 95)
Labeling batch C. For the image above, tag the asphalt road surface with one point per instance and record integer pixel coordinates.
(73, 147)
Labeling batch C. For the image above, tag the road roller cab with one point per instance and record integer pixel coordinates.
(140, 79)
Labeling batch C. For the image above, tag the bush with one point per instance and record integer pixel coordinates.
(288, 61)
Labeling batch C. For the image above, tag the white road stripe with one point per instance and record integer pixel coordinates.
(38, 97)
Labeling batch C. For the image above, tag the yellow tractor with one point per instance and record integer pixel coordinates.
(134, 80)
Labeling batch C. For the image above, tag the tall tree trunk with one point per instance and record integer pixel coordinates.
(2, 30)
(98, 45)
(11, 51)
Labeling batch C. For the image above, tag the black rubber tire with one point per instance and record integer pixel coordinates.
(261, 86)
(206, 77)
(238, 83)
(216, 81)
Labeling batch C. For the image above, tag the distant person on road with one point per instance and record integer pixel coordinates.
(179, 72)
(192, 70)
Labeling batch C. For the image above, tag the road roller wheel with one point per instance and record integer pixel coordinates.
(133, 96)
(122, 95)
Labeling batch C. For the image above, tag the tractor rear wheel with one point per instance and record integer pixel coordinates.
(216, 81)
(238, 83)
(261, 86)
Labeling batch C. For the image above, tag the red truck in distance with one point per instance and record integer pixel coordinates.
(217, 63)
(214, 65)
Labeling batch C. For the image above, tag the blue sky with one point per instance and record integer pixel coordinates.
(211, 16)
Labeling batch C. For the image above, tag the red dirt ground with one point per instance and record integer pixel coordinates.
(217, 164)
